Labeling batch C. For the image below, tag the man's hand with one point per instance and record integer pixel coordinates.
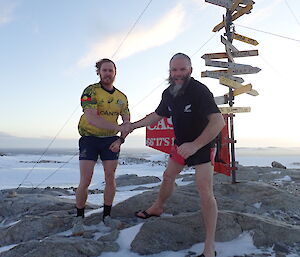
(126, 127)
(115, 146)
(187, 149)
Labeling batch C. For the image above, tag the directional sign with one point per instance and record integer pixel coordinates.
(223, 3)
(247, 70)
(234, 17)
(223, 99)
(245, 39)
(235, 5)
(242, 11)
(228, 44)
(234, 54)
(245, 53)
(230, 65)
(235, 85)
(226, 110)
(220, 73)
(244, 89)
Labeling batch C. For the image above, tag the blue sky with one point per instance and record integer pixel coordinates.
(48, 51)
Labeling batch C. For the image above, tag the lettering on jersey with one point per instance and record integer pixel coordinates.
(109, 113)
(187, 108)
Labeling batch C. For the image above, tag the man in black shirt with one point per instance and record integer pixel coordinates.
(197, 121)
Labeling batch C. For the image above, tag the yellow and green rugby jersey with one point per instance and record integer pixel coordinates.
(109, 106)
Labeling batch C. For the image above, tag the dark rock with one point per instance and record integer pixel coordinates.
(184, 230)
(277, 165)
(133, 179)
(62, 247)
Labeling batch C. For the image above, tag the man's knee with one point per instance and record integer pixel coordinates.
(110, 178)
(169, 176)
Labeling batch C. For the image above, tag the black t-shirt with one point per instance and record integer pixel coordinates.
(189, 111)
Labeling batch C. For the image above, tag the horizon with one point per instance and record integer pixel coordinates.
(47, 63)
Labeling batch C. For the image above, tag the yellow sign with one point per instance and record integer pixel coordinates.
(234, 17)
(244, 89)
(235, 85)
(234, 54)
(245, 39)
(226, 110)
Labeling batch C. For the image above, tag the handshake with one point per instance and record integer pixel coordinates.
(126, 127)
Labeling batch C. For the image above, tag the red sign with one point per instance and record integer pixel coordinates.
(160, 136)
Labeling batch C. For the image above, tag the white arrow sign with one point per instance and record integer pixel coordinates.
(217, 74)
(230, 65)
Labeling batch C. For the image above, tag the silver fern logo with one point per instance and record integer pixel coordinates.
(187, 108)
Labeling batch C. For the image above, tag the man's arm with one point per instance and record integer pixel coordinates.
(147, 121)
(115, 146)
(95, 120)
(215, 125)
(126, 125)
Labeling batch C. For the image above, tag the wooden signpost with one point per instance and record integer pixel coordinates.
(234, 54)
(227, 76)
(245, 39)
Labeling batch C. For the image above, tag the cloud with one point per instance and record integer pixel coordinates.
(6, 13)
(258, 15)
(165, 30)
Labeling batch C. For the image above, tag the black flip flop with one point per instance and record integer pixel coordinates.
(146, 215)
(202, 255)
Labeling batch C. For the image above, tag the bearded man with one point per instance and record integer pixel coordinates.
(197, 121)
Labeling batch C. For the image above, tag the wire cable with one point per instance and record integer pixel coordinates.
(53, 139)
(116, 51)
(286, 2)
(131, 29)
(56, 170)
(161, 83)
(270, 33)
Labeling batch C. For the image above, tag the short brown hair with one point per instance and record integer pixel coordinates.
(104, 60)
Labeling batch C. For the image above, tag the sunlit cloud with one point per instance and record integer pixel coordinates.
(6, 13)
(165, 30)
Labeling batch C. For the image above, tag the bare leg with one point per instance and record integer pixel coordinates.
(86, 173)
(204, 181)
(110, 183)
(166, 188)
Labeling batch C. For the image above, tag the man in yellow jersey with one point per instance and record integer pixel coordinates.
(102, 104)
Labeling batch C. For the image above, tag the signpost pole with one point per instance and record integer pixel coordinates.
(229, 31)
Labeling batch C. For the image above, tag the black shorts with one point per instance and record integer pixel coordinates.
(203, 155)
(91, 147)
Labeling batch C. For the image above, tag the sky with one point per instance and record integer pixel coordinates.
(48, 50)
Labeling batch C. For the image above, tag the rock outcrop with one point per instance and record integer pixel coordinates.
(38, 221)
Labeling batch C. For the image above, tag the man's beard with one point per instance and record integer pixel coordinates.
(107, 80)
(175, 89)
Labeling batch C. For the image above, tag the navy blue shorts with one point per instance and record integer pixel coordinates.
(91, 147)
